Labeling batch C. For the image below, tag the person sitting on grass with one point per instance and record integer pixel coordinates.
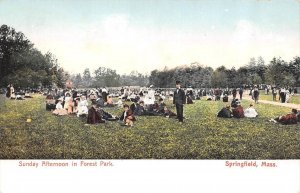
(123, 115)
(225, 112)
(209, 97)
(189, 100)
(110, 102)
(250, 112)
(288, 119)
(119, 103)
(129, 119)
(107, 116)
(67, 98)
(168, 113)
(152, 110)
(234, 103)
(59, 110)
(27, 95)
(225, 98)
(139, 109)
(133, 106)
(127, 116)
(158, 108)
(100, 101)
(161, 106)
(238, 112)
(82, 109)
(298, 116)
(19, 96)
(71, 108)
(76, 102)
(94, 116)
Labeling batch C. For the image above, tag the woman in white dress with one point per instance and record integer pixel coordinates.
(59, 110)
(150, 96)
(82, 108)
(287, 96)
(250, 112)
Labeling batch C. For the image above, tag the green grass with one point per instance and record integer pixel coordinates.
(293, 98)
(202, 136)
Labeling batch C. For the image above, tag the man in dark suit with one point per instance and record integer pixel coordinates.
(179, 99)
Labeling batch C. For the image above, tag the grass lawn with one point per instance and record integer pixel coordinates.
(202, 136)
(293, 98)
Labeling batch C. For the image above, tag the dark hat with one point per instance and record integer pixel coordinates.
(294, 111)
(178, 82)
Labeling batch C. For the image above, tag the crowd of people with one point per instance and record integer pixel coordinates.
(90, 104)
(142, 102)
(19, 94)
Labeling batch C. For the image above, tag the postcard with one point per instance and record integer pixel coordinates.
(149, 96)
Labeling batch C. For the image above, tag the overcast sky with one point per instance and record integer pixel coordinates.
(142, 35)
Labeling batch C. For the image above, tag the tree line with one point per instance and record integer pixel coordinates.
(276, 73)
(22, 65)
(106, 77)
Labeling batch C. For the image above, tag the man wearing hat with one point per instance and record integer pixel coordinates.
(179, 99)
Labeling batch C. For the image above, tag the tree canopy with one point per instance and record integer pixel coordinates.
(277, 72)
(25, 66)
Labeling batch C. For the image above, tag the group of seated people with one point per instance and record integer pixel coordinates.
(210, 97)
(69, 105)
(237, 111)
(97, 115)
(78, 105)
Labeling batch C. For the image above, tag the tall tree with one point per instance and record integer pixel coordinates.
(87, 78)
(11, 42)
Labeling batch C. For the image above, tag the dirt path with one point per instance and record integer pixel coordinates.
(289, 105)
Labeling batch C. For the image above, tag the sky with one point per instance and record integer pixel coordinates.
(144, 35)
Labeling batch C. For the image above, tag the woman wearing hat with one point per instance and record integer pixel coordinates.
(150, 97)
(225, 112)
(250, 112)
(59, 110)
(238, 111)
(82, 109)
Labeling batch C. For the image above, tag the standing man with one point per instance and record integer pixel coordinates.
(8, 93)
(234, 92)
(274, 93)
(179, 99)
(241, 93)
(256, 94)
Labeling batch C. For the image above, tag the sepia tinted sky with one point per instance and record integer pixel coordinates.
(142, 35)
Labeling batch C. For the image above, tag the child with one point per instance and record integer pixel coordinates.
(127, 116)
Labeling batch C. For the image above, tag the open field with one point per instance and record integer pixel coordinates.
(202, 136)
